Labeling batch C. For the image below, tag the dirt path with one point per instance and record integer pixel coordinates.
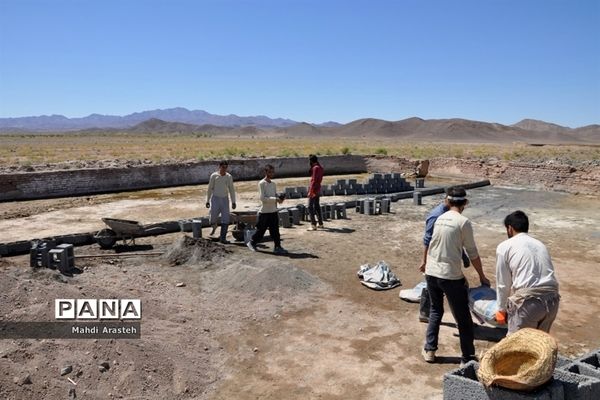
(254, 325)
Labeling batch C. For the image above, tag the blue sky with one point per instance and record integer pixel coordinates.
(314, 61)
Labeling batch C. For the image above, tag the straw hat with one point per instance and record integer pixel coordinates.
(524, 360)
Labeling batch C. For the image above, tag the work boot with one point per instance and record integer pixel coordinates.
(312, 228)
(223, 235)
(213, 230)
(428, 355)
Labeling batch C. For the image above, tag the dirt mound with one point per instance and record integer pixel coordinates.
(188, 250)
(260, 278)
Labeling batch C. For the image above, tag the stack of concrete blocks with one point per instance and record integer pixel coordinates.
(284, 218)
(419, 183)
(386, 183)
(572, 380)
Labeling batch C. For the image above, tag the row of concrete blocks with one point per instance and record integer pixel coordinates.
(572, 380)
(354, 189)
(372, 206)
(294, 215)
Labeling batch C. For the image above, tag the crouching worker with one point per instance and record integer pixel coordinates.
(220, 188)
(524, 268)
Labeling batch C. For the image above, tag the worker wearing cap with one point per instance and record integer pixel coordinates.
(443, 272)
(524, 268)
(220, 188)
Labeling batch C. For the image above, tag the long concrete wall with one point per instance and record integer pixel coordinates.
(42, 185)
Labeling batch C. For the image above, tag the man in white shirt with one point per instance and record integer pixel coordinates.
(524, 267)
(268, 217)
(220, 188)
(443, 272)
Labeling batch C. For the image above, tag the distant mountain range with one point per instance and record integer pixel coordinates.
(60, 123)
(183, 121)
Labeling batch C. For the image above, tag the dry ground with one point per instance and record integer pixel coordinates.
(258, 326)
(65, 151)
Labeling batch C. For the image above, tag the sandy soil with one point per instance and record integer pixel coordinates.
(258, 326)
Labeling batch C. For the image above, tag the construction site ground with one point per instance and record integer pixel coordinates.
(221, 322)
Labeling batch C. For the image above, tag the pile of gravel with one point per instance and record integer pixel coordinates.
(188, 250)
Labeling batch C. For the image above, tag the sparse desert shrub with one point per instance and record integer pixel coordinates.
(381, 150)
(345, 150)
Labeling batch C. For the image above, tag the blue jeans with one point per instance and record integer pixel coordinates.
(457, 293)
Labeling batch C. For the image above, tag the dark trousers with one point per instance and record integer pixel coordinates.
(314, 207)
(457, 293)
(267, 221)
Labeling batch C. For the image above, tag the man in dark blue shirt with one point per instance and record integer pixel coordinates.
(429, 224)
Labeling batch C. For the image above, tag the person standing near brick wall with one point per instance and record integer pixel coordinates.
(220, 189)
(314, 192)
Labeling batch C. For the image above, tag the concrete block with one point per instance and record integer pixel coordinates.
(463, 384)
(417, 198)
(562, 361)
(330, 210)
(591, 359)
(289, 190)
(577, 367)
(385, 206)
(284, 219)
(196, 228)
(352, 182)
(577, 386)
(377, 176)
(296, 215)
(387, 176)
(294, 195)
(340, 192)
(369, 206)
(340, 211)
(350, 191)
(420, 183)
(303, 190)
(303, 211)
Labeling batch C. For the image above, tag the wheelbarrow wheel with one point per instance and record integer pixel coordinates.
(106, 238)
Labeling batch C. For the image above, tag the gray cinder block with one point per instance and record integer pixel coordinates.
(284, 219)
(385, 205)
(340, 211)
(577, 386)
(591, 359)
(420, 183)
(417, 198)
(463, 384)
(577, 367)
(562, 361)
(295, 214)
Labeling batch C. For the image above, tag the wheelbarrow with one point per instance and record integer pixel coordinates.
(242, 220)
(122, 229)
